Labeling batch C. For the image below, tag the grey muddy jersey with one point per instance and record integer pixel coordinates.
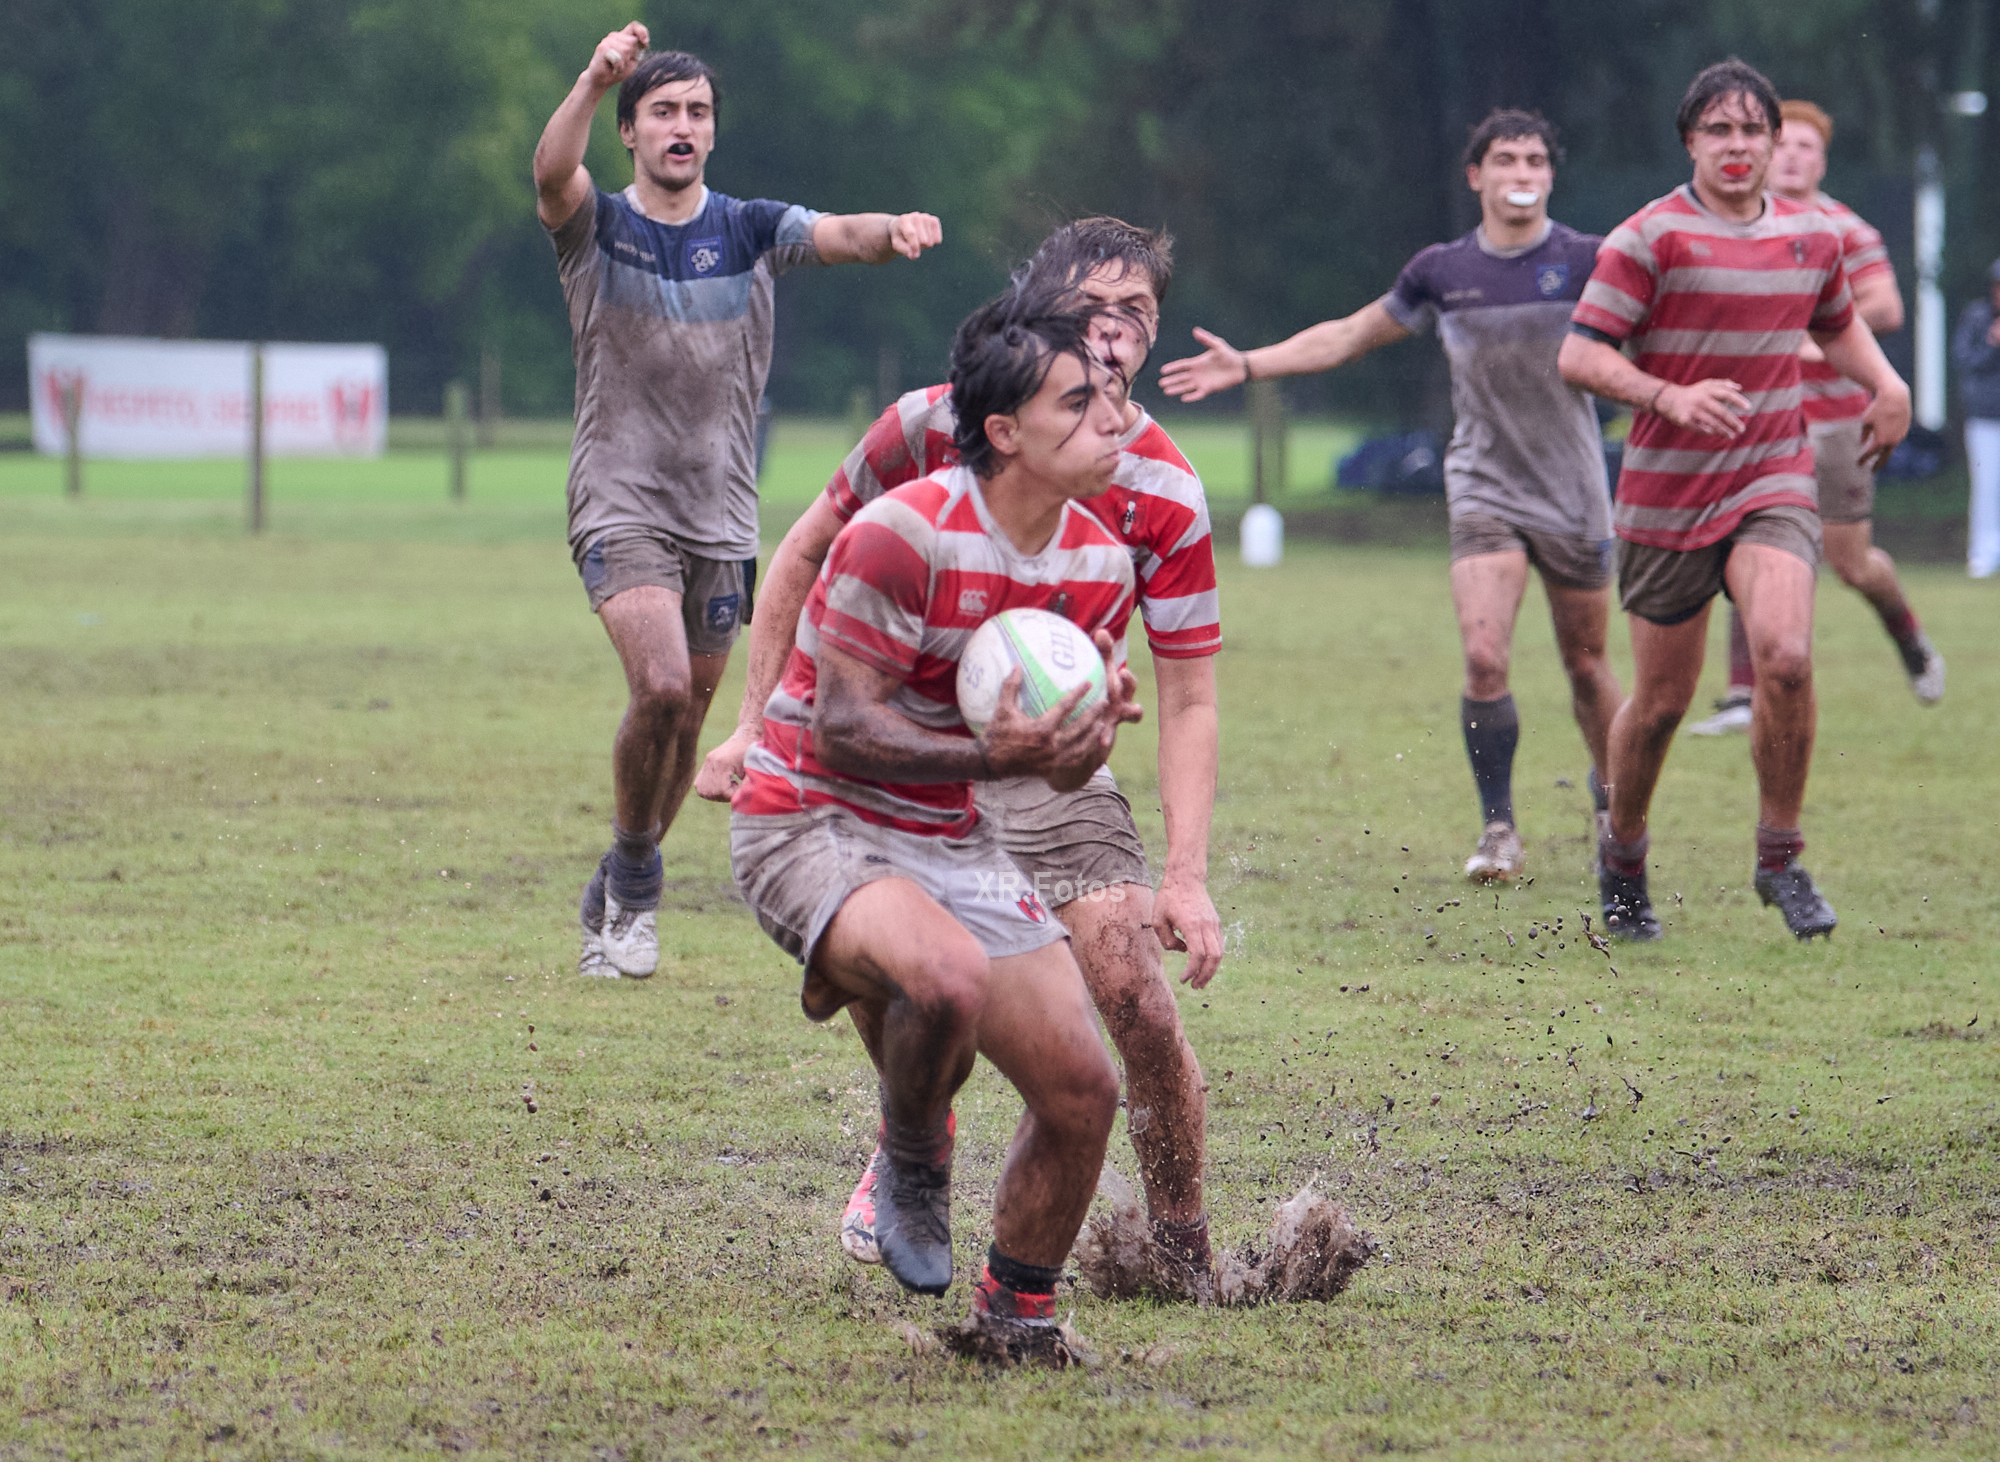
(1525, 447)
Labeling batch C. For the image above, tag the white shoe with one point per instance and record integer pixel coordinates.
(1498, 857)
(1928, 683)
(631, 939)
(591, 962)
(1730, 715)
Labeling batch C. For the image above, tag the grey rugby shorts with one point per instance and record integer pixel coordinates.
(795, 871)
(1670, 585)
(1846, 488)
(1565, 560)
(715, 592)
(1068, 845)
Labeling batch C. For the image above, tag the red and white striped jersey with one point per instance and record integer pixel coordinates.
(902, 589)
(1155, 506)
(1702, 297)
(1830, 396)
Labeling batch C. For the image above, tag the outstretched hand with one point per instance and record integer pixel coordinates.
(911, 233)
(1217, 368)
(617, 54)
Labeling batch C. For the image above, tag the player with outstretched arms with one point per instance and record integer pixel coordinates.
(1524, 475)
(1834, 407)
(1715, 288)
(1081, 849)
(669, 287)
(855, 838)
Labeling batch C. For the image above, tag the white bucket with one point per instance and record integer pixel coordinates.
(1263, 536)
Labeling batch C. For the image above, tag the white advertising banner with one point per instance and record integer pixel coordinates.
(191, 398)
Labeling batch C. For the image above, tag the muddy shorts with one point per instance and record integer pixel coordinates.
(796, 870)
(1669, 585)
(715, 592)
(1567, 561)
(1846, 488)
(1068, 845)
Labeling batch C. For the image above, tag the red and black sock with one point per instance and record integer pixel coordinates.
(1012, 1290)
(1909, 637)
(1778, 846)
(1492, 730)
(1627, 860)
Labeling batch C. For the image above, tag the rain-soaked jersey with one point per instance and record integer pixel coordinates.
(1702, 297)
(1155, 506)
(902, 590)
(1525, 447)
(1830, 396)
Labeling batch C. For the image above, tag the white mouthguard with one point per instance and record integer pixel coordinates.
(1524, 198)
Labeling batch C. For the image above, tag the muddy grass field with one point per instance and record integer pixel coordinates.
(290, 839)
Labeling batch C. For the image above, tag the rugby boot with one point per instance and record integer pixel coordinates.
(1628, 908)
(1927, 676)
(857, 1222)
(913, 1219)
(631, 939)
(1791, 888)
(590, 919)
(1732, 713)
(1008, 1340)
(1499, 856)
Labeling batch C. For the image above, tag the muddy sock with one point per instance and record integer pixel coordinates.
(1015, 1290)
(590, 911)
(1742, 673)
(1187, 1242)
(634, 871)
(910, 1147)
(1492, 730)
(1778, 846)
(1911, 641)
(1628, 860)
(1599, 797)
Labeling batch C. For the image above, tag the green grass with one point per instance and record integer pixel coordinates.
(290, 837)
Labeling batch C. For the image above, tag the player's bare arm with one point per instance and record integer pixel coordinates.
(1855, 354)
(1184, 915)
(857, 733)
(1716, 406)
(875, 238)
(562, 183)
(1321, 347)
(786, 586)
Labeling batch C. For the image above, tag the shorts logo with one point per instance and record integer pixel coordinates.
(721, 616)
(972, 601)
(704, 254)
(1552, 280)
(1031, 906)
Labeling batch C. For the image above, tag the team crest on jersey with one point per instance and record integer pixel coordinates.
(1129, 519)
(1031, 908)
(1798, 251)
(1552, 280)
(1059, 603)
(704, 254)
(972, 601)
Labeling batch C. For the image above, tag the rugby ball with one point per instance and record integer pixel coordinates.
(1052, 654)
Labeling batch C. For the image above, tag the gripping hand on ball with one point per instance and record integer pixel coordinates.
(1063, 755)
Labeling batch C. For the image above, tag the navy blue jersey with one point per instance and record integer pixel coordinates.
(672, 331)
(1525, 446)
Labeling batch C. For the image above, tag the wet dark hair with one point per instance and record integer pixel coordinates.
(1506, 122)
(1069, 254)
(657, 69)
(1733, 77)
(1003, 353)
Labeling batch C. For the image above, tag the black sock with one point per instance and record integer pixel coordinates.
(1599, 798)
(1031, 1279)
(634, 872)
(1492, 730)
(591, 909)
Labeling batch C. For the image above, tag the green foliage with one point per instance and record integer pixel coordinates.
(290, 834)
(359, 168)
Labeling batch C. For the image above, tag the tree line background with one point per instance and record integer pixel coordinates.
(359, 169)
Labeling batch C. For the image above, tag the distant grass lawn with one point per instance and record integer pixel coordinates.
(291, 833)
